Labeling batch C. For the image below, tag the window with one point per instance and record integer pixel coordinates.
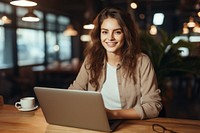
(30, 46)
(6, 53)
(65, 47)
(62, 23)
(58, 45)
(5, 8)
(51, 21)
(52, 47)
(30, 38)
(64, 41)
(2, 53)
(1, 44)
(6, 57)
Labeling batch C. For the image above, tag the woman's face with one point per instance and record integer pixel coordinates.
(112, 37)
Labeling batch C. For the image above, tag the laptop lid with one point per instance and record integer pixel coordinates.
(75, 108)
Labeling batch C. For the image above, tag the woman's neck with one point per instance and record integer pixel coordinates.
(113, 59)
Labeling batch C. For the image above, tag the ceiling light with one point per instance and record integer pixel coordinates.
(85, 38)
(30, 17)
(70, 31)
(88, 26)
(158, 18)
(23, 3)
(133, 5)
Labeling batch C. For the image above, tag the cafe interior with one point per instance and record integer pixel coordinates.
(43, 45)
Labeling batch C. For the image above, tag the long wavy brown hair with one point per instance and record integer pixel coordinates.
(96, 53)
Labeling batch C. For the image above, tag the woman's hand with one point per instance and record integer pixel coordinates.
(122, 114)
(111, 114)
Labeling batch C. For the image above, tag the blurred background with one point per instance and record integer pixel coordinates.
(42, 45)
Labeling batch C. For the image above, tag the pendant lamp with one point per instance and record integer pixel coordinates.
(5, 20)
(23, 3)
(191, 23)
(30, 16)
(70, 31)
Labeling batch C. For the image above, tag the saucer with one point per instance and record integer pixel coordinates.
(21, 109)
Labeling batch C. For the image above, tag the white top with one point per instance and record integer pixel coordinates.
(110, 91)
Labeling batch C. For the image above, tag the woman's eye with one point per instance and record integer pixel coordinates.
(118, 32)
(104, 32)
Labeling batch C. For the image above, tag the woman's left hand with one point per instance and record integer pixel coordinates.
(122, 114)
(111, 114)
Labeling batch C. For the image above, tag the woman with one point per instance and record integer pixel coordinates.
(115, 66)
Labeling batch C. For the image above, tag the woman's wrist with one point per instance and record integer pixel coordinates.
(123, 114)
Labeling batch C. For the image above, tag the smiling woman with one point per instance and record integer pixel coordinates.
(115, 66)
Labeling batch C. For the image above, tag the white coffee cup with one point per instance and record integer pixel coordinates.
(26, 103)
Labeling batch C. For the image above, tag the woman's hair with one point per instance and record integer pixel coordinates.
(96, 53)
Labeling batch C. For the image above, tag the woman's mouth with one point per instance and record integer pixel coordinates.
(111, 44)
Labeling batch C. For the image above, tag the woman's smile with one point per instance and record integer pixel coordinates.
(111, 44)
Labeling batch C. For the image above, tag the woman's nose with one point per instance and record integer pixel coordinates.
(110, 36)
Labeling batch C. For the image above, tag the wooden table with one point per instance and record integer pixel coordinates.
(14, 121)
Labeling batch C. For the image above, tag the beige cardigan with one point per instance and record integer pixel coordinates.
(144, 96)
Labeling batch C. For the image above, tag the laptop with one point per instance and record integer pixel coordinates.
(74, 108)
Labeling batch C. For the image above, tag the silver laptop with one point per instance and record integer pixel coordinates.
(74, 108)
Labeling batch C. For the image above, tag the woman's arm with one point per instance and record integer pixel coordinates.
(150, 101)
(122, 114)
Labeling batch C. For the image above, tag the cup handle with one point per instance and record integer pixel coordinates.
(18, 105)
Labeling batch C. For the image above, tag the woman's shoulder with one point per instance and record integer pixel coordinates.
(86, 61)
(143, 57)
(144, 61)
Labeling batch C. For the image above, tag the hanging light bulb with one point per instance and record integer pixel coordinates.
(185, 29)
(23, 3)
(133, 5)
(30, 16)
(198, 13)
(191, 22)
(153, 30)
(5, 20)
(196, 29)
(70, 31)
